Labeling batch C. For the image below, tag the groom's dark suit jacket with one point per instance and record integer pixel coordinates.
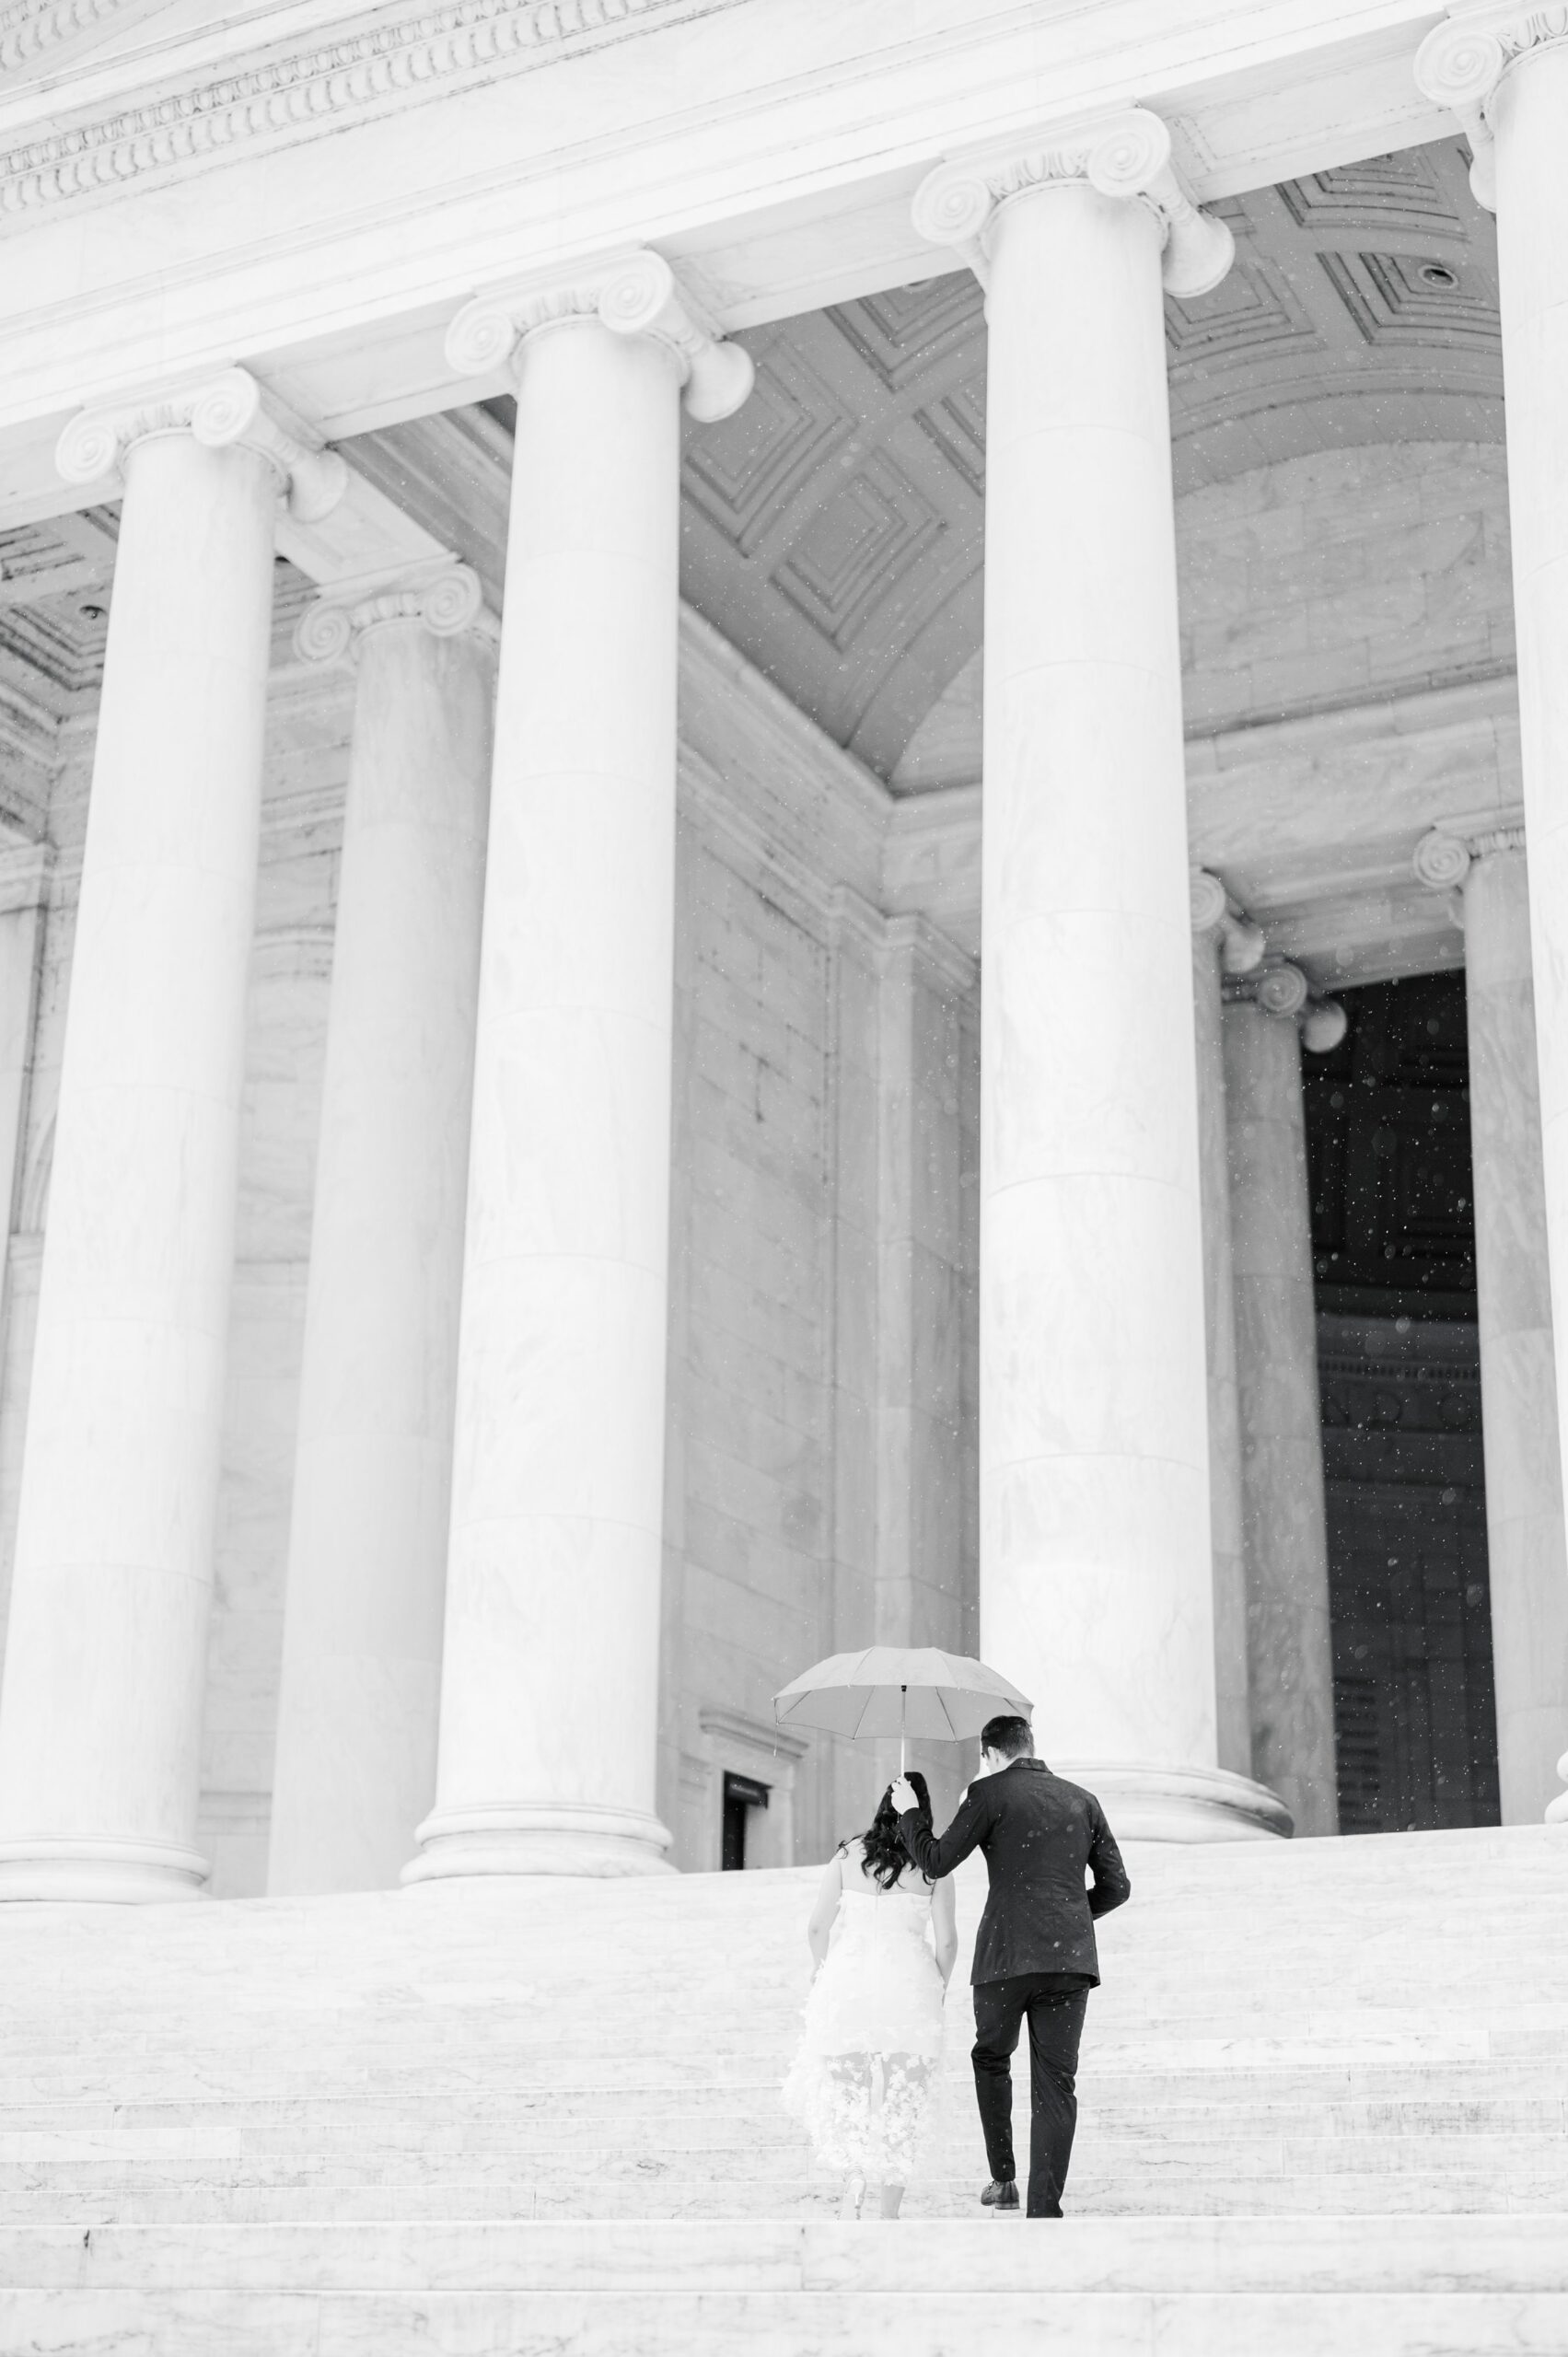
(1038, 1834)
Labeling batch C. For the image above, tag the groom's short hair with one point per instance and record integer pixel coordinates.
(1010, 1737)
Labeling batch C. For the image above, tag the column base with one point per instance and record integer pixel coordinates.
(455, 1844)
(1148, 1803)
(119, 1874)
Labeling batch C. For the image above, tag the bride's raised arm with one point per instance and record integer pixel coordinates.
(945, 1927)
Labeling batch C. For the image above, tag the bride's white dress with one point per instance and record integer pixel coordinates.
(873, 2037)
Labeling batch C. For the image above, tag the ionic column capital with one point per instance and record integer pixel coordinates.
(1126, 154)
(446, 598)
(1461, 64)
(1283, 990)
(229, 410)
(630, 294)
(1444, 856)
(1241, 942)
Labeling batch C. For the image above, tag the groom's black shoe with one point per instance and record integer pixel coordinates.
(1002, 2194)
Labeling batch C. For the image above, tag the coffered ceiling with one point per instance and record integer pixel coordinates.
(832, 527)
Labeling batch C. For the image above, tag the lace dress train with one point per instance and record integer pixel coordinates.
(872, 2039)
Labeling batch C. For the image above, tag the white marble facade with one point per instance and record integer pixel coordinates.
(820, 1470)
(751, 1280)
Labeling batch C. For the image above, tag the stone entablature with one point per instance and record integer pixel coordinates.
(367, 277)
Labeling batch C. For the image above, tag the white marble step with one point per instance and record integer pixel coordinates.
(769, 2136)
(1241, 2254)
(469, 2046)
(1444, 2100)
(1093, 2193)
(1186, 2287)
(781, 2160)
(938, 2323)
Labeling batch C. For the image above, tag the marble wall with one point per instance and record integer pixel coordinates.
(1333, 579)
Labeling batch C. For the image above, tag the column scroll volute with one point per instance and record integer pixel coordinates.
(631, 294)
(1123, 155)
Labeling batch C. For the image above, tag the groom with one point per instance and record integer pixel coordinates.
(1034, 1954)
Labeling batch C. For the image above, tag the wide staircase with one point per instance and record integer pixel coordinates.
(1324, 2102)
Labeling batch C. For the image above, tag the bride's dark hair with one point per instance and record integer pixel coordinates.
(886, 1856)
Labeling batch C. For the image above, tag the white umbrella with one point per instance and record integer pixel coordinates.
(899, 1689)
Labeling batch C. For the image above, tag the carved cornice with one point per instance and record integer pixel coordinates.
(386, 60)
(1241, 942)
(227, 411)
(1123, 154)
(31, 28)
(448, 599)
(631, 294)
(1461, 65)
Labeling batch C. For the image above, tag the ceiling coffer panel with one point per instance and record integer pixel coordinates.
(833, 528)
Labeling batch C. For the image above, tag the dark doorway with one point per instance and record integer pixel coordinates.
(741, 1795)
(1393, 1234)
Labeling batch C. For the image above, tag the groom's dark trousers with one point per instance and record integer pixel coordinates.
(1055, 1867)
(1053, 2003)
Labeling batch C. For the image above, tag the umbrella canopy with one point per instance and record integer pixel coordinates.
(907, 1691)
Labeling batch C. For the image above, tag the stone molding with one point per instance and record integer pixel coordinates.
(1461, 64)
(1149, 1801)
(498, 1838)
(33, 26)
(1242, 942)
(226, 410)
(1126, 154)
(27, 878)
(754, 1732)
(448, 599)
(385, 61)
(884, 938)
(632, 293)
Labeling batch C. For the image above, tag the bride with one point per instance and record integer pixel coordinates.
(874, 2016)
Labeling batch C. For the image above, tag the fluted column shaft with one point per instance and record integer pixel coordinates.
(1233, 1725)
(1504, 72)
(1095, 1561)
(1526, 1570)
(101, 1720)
(550, 1675)
(1095, 1570)
(1290, 1658)
(355, 1760)
(1531, 117)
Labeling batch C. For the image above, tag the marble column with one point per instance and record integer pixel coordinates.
(1220, 945)
(1095, 1569)
(100, 1717)
(1290, 1658)
(355, 1761)
(550, 1673)
(1505, 73)
(1527, 1570)
(26, 879)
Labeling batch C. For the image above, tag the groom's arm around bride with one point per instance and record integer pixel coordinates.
(1054, 1866)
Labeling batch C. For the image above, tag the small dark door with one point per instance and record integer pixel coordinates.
(741, 1795)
